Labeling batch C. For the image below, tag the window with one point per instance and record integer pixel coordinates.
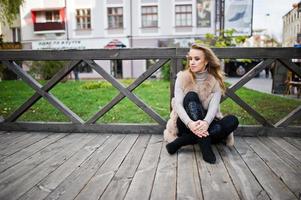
(183, 15)
(52, 16)
(16, 33)
(83, 18)
(115, 17)
(149, 16)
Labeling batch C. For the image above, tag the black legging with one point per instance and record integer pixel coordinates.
(222, 128)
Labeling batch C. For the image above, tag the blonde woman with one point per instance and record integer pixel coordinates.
(196, 116)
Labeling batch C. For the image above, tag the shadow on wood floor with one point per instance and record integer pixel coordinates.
(118, 166)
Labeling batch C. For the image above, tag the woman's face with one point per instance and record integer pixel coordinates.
(197, 61)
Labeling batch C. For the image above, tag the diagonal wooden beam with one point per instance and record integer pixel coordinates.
(295, 114)
(251, 74)
(248, 76)
(248, 108)
(126, 92)
(48, 86)
(291, 66)
(131, 87)
(38, 88)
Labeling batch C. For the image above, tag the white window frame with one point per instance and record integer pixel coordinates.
(191, 19)
(141, 15)
(107, 17)
(83, 16)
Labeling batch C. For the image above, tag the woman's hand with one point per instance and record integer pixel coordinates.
(199, 128)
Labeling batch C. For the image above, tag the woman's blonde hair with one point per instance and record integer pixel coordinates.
(213, 66)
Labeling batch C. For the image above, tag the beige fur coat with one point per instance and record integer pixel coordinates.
(205, 93)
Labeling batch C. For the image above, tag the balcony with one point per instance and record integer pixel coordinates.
(58, 27)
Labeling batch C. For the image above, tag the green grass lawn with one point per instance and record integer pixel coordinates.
(86, 97)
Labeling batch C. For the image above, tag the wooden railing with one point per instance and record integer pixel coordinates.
(163, 55)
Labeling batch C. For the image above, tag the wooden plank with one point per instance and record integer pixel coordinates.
(281, 152)
(288, 174)
(101, 179)
(188, 179)
(38, 88)
(165, 183)
(7, 136)
(123, 177)
(294, 141)
(74, 183)
(122, 128)
(49, 183)
(21, 144)
(16, 187)
(244, 181)
(172, 77)
(29, 151)
(26, 165)
(153, 114)
(119, 128)
(142, 182)
(131, 87)
(215, 180)
(13, 138)
(250, 74)
(255, 53)
(291, 149)
(257, 116)
(291, 66)
(91, 54)
(271, 183)
(295, 114)
(256, 130)
(147, 53)
(48, 86)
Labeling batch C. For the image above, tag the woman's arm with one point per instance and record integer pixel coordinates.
(179, 97)
(213, 105)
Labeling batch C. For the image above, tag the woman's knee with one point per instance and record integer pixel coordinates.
(191, 96)
(231, 122)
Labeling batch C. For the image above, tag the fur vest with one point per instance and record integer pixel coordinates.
(205, 92)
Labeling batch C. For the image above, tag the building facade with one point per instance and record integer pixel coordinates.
(292, 26)
(11, 34)
(93, 24)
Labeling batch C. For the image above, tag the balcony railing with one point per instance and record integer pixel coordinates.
(175, 55)
(49, 26)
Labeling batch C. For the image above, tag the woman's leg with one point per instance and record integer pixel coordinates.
(195, 111)
(193, 106)
(185, 137)
(228, 124)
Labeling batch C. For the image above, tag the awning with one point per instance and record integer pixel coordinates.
(115, 44)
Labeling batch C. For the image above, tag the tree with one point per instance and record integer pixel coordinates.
(226, 39)
(9, 9)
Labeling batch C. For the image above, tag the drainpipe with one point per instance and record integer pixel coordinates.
(131, 37)
(66, 21)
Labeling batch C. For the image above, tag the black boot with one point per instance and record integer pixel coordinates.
(172, 147)
(207, 152)
(184, 140)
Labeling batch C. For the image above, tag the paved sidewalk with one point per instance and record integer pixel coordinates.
(260, 84)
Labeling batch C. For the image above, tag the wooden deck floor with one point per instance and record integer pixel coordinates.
(112, 166)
